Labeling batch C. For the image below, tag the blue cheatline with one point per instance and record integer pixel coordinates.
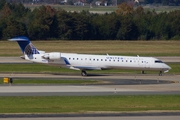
(66, 61)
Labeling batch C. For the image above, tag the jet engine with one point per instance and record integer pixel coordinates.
(52, 56)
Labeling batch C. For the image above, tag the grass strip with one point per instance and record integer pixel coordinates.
(77, 8)
(158, 9)
(41, 68)
(83, 104)
(45, 81)
(112, 47)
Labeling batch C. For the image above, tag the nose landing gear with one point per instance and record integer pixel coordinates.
(160, 73)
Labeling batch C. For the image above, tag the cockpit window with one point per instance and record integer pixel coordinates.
(158, 61)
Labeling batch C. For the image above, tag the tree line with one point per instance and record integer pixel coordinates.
(164, 2)
(126, 23)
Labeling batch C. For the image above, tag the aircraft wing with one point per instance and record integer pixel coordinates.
(85, 68)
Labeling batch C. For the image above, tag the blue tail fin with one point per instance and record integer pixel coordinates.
(26, 46)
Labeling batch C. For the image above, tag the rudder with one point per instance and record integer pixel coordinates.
(26, 46)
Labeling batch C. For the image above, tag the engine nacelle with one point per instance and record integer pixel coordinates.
(52, 56)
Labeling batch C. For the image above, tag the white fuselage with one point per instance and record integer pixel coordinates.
(99, 62)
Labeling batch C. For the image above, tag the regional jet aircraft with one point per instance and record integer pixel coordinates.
(86, 62)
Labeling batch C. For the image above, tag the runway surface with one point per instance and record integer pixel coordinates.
(171, 86)
(116, 84)
(113, 85)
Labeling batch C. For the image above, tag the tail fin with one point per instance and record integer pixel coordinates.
(26, 46)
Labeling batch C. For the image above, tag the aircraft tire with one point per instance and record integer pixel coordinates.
(160, 73)
(83, 73)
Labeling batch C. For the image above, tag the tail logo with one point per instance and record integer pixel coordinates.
(30, 49)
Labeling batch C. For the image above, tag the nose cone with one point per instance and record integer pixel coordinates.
(166, 68)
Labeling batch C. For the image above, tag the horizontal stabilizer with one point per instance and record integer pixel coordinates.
(20, 38)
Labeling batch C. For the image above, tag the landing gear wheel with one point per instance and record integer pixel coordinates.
(160, 73)
(83, 73)
(142, 72)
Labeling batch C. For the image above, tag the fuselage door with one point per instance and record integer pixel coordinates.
(147, 62)
(142, 63)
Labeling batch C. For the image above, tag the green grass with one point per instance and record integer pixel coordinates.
(142, 48)
(83, 104)
(33, 68)
(160, 9)
(104, 9)
(53, 81)
(78, 8)
(41, 68)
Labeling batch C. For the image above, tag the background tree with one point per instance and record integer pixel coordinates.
(14, 28)
(19, 10)
(109, 26)
(124, 24)
(41, 24)
(128, 30)
(124, 9)
(65, 23)
(142, 20)
(81, 25)
(174, 20)
(2, 3)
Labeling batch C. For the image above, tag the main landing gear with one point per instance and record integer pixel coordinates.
(83, 73)
(160, 73)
